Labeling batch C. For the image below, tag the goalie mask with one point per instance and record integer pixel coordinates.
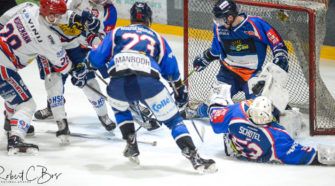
(141, 13)
(260, 111)
(222, 10)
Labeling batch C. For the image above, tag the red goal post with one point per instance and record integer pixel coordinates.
(303, 31)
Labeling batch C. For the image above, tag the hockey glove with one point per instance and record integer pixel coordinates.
(86, 18)
(79, 75)
(180, 93)
(281, 59)
(201, 62)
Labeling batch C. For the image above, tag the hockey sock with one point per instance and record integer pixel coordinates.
(127, 129)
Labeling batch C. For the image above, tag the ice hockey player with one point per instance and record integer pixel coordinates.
(240, 42)
(251, 133)
(23, 37)
(83, 22)
(137, 58)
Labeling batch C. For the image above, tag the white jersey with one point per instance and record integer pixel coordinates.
(69, 36)
(28, 34)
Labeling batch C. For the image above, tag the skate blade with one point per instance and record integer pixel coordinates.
(30, 134)
(64, 139)
(134, 160)
(16, 151)
(211, 169)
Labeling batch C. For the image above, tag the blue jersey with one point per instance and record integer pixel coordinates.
(137, 46)
(242, 49)
(269, 143)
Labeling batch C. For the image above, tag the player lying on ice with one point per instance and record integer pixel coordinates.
(251, 133)
(137, 57)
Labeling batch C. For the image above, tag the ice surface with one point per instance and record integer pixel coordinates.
(98, 162)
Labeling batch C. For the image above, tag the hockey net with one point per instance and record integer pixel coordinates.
(300, 23)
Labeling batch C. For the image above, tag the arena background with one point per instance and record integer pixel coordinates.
(169, 19)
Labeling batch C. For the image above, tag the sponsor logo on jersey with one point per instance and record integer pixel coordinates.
(238, 46)
(223, 32)
(34, 30)
(158, 106)
(292, 149)
(24, 34)
(273, 37)
(218, 115)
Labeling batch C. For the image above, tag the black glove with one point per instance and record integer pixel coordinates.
(201, 62)
(92, 23)
(281, 59)
(79, 75)
(86, 18)
(182, 97)
(180, 93)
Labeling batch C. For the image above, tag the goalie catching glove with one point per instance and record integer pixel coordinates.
(79, 75)
(201, 62)
(180, 93)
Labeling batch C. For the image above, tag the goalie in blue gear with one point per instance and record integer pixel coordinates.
(137, 57)
(240, 42)
(251, 133)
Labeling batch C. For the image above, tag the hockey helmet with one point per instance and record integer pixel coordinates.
(223, 9)
(260, 111)
(141, 12)
(56, 7)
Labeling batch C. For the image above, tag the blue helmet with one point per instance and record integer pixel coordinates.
(224, 8)
(141, 12)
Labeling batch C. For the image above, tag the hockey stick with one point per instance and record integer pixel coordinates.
(88, 136)
(201, 136)
(145, 118)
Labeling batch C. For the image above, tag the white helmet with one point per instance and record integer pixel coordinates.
(260, 111)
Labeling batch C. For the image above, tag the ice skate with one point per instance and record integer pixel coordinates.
(131, 151)
(199, 164)
(63, 132)
(107, 122)
(43, 114)
(7, 128)
(17, 146)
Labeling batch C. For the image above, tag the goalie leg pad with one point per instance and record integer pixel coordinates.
(269, 87)
(220, 93)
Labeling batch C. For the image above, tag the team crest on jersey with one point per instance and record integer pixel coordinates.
(218, 116)
(95, 12)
